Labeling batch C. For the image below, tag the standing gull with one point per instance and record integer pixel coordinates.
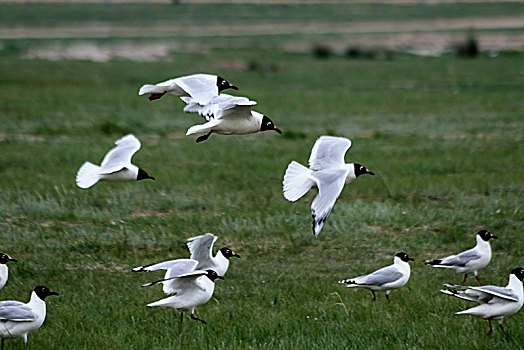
(471, 260)
(191, 287)
(227, 115)
(4, 271)
(328, 171)
(17, 319)
(116, 166)
(495, 302)
(385, 279)
(201, 87)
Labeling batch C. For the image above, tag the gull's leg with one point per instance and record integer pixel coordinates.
(387, 295)
(156, 96)
(500, 325)
(490, 328)
(374, 296)
(465, 277)
(204, 137)
(478, 279)
(196, 318)
(181, 317)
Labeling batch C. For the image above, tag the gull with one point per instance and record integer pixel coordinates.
(4, 271)
(495, 302)
(471, 260)
(385, 279)
(191, 287)
(17, 319)
(328, 171)
(227, 115)
(201, 87)
(201, 250)
(116, 166)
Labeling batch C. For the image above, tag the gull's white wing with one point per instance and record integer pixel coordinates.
(15, 311)
(178, 284)
(330, 184)
(328, 151)
(388, 274)
(221, 106)
(120, 156)
(201, 87)
(174, 267)
(201, 248)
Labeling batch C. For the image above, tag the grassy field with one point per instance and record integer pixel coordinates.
(444, 136)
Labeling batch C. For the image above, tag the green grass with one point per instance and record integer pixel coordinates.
(133, 14)
(444, 136)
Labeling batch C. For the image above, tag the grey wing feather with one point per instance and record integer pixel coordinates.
(201, 248)
(383, 276)
(16, 311)
(500, 292)
(461, 259)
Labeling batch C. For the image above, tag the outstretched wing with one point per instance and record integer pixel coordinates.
(15, 311)
(483, 294)
(174, 267)
(328, 151)
(120, 156)
(201, 248)
(330, 184)
(177, 284)
(201, 87)
(220, 107)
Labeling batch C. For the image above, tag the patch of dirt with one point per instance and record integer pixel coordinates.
(420, 37)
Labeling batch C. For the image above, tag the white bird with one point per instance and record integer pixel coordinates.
(17, 319)
(471, 260)
(4, 271)
(385, 279)
(116, 166)
(201, 250)
(191, 287)
(328, 171)
(227, 115)
(495, 302)
(201, 87)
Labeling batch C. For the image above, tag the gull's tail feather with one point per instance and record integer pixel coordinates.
(433, 262)
(202, 128)
(296, 181)
(88, 175)
(166, 302)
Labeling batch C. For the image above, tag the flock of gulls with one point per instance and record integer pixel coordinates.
(190, 283)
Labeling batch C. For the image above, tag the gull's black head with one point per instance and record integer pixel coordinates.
(519, 272)
(212, 275)
(44, 292)
(267, 124)
(223, 84)
(361, 170)
(142, 175)
(226, 252)
(404, 257)
(485, 235)
(4, 258)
